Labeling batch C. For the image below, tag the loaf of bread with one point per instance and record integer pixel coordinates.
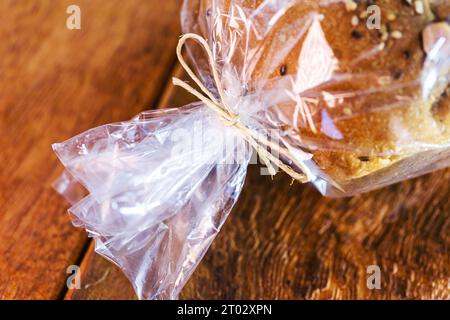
(376, 103)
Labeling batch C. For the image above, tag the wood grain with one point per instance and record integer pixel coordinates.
(289, 242)
(55, 83)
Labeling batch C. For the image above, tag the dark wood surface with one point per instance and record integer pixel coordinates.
(281, 241)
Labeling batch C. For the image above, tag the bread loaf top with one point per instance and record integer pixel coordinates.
(376, 108)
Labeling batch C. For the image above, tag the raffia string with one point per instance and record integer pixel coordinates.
(230, 118)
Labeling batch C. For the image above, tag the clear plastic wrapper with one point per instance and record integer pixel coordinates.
(358, 103)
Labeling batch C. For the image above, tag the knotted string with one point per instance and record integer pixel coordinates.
(230, 118)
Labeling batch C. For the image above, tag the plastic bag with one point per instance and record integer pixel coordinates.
(156, 202)
(161, 185)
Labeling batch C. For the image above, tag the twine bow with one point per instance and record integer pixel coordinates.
(230, 118)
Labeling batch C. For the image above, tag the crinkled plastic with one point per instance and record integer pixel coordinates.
(161, 185)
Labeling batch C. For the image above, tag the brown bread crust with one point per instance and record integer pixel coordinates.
(388, 120)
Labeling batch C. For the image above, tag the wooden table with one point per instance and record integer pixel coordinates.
(281, 241)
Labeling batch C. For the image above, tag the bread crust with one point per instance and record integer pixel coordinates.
(385, 118)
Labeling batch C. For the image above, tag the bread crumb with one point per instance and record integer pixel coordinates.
(391, 16)
(396, 34)
(384, 33)
(418, 6)
(364, 14)
(351, 5)
(348, 111)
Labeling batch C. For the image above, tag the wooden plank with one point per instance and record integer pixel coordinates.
(289, 242)
(57, 82)
(285, 242)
